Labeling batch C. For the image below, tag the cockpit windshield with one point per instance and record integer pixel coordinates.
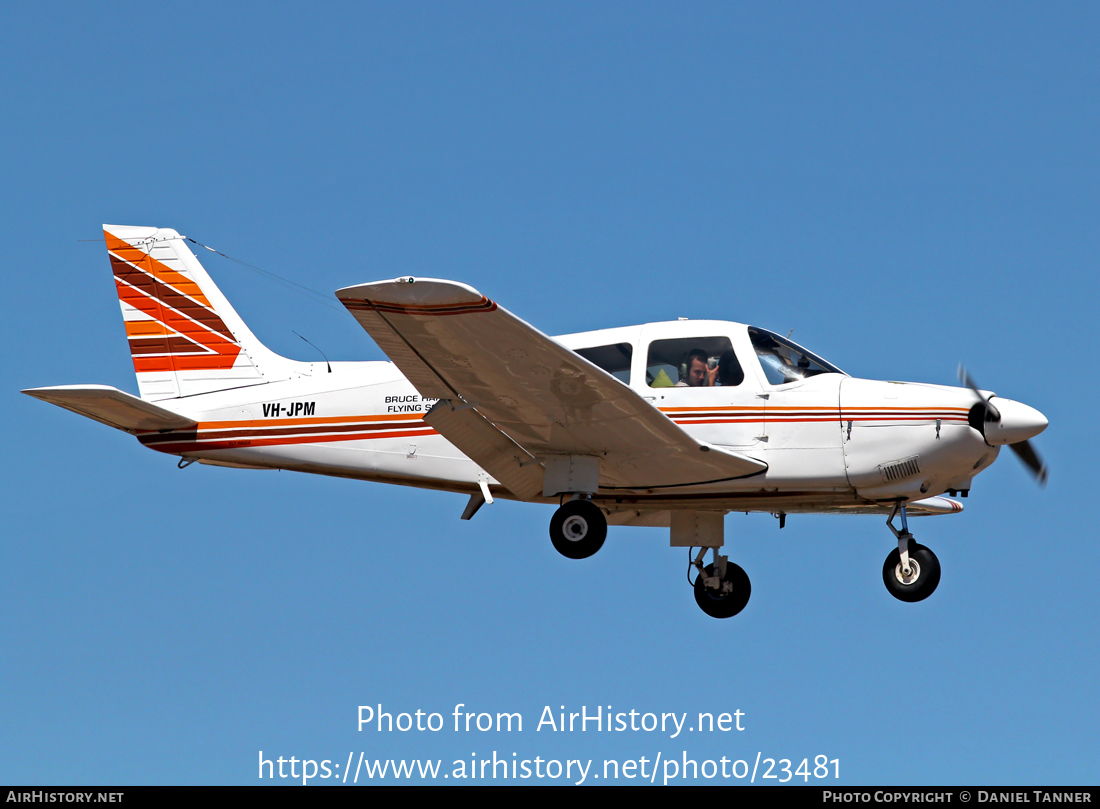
(783, 361)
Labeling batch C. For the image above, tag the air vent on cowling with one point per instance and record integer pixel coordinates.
(899, 470)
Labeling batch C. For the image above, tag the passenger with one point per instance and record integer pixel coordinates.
(698, 372)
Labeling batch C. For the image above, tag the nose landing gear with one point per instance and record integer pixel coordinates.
(911, 571)
(722, 589)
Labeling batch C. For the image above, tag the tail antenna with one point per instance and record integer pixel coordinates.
(327, 363)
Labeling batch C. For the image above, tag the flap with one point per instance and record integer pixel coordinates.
(453, 343)
(491, 449)
(112, 407)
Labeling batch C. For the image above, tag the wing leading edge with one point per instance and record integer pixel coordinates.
(453, 343)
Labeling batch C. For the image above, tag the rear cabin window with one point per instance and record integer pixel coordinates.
(615, 359)
(693, 362)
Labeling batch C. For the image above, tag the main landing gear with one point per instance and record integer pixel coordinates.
(578, 529)
(911, 571)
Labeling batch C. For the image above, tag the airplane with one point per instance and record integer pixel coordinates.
(670, 424)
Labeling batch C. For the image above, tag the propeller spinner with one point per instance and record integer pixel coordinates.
(1008, 422)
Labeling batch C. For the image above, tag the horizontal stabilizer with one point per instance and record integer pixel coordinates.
(112, 407)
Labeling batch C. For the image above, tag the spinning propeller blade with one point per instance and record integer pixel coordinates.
(991, 413)
(1031, 459)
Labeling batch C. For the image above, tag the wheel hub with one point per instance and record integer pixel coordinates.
(575, 528)
(914, 572)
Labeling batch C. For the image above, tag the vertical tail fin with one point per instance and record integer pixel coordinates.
(184, 336)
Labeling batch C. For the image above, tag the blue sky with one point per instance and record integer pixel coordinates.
(905, 186)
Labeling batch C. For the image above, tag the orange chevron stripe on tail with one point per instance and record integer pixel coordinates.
(170, 323)
(185, 337)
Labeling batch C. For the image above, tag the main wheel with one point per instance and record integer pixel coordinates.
(924, 574)
(724, 606)
(578, 529)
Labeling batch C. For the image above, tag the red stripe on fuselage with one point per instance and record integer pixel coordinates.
(201, 443)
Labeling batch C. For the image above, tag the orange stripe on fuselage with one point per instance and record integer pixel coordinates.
(275, 422)
(826, 409)
(848, 409)
(686, 410)
(809, 419)
(244, 443)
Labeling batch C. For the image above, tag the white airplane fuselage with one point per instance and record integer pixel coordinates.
(831, 442)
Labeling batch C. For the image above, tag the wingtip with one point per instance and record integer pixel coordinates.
(410, 289)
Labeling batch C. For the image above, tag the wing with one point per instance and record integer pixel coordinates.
(453, 343)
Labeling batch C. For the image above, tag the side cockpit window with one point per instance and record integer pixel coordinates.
(692, 362)
(783, 361)
(615, 359)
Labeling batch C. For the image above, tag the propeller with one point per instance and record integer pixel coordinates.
(1001, 427)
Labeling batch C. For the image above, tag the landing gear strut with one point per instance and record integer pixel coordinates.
(911, 571)
(722, 588)
(578, 529)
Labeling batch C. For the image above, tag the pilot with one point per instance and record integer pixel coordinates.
(699, 374)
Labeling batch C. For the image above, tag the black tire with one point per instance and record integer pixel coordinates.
(724, 606)
(928, 574)
(578, 529)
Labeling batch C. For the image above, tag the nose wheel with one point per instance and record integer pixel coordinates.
(578, 529)
(916, 583)
(722, 589)
(911, 571)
